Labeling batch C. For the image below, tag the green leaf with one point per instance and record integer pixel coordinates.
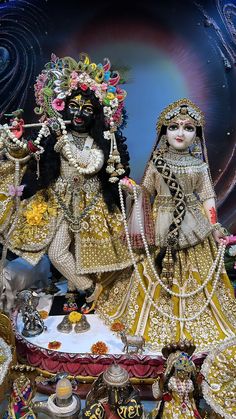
(47, 91)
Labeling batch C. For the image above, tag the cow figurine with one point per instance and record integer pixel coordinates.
(136, 342)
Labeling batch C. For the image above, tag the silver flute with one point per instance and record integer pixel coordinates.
(36, 125)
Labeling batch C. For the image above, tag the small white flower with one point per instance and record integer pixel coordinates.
(87, 78)
(114, 103)
(117, 159)
(110, 169)
(98, 94)
(107, 135)
(232, 250)
(107, 111)
(120, 171)
(81, 77)
(113, 179)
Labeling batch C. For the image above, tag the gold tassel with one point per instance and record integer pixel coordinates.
(114, 166)
(168, 267)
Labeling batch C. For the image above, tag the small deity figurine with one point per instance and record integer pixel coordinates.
(113, 396)
(177, 388)
(70, 203)
(33, 324)
(180, 289)
(20, 400)
(25, 298)
(179, 401)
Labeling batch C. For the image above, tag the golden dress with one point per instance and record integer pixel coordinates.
(71, 222)
(7, 177)
(179, 407)
(127, 302)
(219, 386)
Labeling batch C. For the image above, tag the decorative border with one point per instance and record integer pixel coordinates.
(206, 388)
(6, 349)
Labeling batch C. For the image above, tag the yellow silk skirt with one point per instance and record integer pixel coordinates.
(219, 386)
(126, 301)
(95, 242)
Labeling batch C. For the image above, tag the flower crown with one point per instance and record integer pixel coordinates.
(181, 108)
(63, 76)
(183, 363)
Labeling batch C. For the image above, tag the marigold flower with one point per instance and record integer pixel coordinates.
(54, 345)
(41, 207)
(33, 218)
(117, 326)
(99, 348)
(43, 314)
(75, 317)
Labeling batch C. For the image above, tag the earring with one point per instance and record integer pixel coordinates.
(196, 148)
(114, 166)
(163, 144)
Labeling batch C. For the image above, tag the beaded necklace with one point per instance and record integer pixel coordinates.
(183, 389)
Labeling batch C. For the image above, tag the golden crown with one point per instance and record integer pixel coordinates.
(181, 108)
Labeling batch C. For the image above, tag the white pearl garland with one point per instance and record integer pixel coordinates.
(174, 294)
(181, 319)
(97, 160)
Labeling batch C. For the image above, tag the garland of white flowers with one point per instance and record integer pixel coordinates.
(181, 319)
(97, 160)
(174, 294)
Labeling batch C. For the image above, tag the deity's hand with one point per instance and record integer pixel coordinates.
(228, 240)
(127, 184)
(219, 237)
(17, 127)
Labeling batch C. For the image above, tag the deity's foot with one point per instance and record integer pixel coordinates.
(95, 294)
(91, 300)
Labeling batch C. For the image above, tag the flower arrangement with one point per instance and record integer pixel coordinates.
(54, 344)
(38, 211)
(37, 218)
(99, 348)
(43, 314)
(62, 76)
(74, 317)
(117, 326)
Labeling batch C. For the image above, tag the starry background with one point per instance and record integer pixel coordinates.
(166, 50)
